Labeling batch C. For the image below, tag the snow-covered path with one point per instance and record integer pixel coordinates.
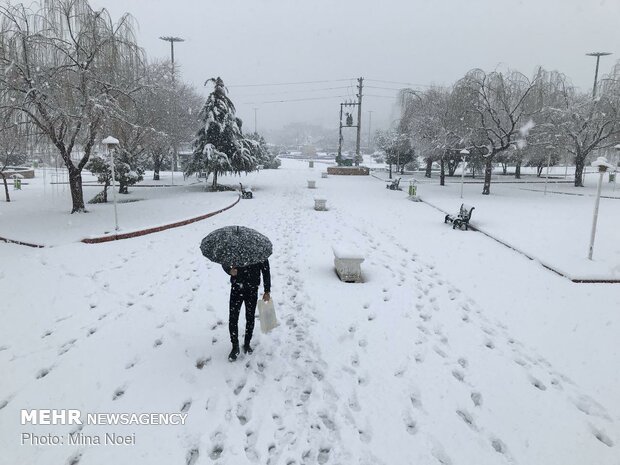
(419, 364)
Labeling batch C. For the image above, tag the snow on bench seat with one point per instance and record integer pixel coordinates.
(348, 264)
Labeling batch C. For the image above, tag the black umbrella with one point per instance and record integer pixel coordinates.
(236, 246)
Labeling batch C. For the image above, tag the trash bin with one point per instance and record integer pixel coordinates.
(412, 189)
(311, 164)
(17, 184)
(612, 177)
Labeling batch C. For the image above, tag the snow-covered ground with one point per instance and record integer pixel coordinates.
(454, 350)
(41, 212)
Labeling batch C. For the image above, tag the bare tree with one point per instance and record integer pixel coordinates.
(68, 68)
(586, 124)
(12, 149)
(499, 103)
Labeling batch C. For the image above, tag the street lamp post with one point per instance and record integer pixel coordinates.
(602, 165)
(463, 152)
(549, 148)
(107, 142)
(598, 56)
(172, 40)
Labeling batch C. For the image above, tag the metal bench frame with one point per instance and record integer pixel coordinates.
(461, 219)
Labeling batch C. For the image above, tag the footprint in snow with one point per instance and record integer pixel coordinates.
(186, 405)
(43, 372)
(192, 456)
(120, 392)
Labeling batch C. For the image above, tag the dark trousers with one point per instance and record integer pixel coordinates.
(242, 294)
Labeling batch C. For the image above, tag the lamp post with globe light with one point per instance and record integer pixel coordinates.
(463, 152)
(603, 165)
(107, 142)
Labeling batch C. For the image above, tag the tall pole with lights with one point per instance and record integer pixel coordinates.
(114, 142)
(172, 40)
(598, 56)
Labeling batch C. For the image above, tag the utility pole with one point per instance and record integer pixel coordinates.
(175, 155)
(598, 56)
(349, 122)
(340, 134)
(359, 120)
(255, 118)
(369, 123)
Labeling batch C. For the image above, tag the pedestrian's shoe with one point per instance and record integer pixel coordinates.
(233, 353)
(247, 349)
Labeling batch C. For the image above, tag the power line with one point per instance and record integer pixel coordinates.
(403, 83)
(295, 100)
(289, 83)
(294, 91)
(386, 88)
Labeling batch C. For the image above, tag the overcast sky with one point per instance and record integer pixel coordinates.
(421, 42)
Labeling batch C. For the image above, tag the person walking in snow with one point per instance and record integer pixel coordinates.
(244, 283)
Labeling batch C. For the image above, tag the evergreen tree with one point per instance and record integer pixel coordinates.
(260, 151)
(219, 146)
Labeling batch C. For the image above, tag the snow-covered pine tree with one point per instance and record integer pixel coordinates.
(218, 146)
(261, 152)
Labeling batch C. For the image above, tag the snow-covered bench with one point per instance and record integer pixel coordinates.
(311, 184)
(462, 218)
(324, 174)
(348, 264)
(319, 204)
(245, 193)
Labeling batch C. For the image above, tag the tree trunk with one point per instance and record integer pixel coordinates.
(77, 196)
(452, 165)
(518, 170)
(123, 188)
(442, 174)
(429, 167)
(539, 169)
(579, 165)
(488, 169)
(504, 168)
(105, 192)
(6, 187)
(214, 180)
(390, 171)
(156, 167)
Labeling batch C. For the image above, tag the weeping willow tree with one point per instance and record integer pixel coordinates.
(68, 68)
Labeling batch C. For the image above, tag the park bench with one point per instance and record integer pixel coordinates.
(245, 194)
(324, 174)
(394, 185)
(348, 264)
(462, 218)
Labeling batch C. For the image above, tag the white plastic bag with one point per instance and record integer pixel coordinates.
(267, 315)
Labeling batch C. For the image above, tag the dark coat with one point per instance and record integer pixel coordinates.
(250, 275)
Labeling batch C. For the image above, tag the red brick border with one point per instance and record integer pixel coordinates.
(144, 232)
(27, 244)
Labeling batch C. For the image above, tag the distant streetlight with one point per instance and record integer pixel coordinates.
(549, 148)
(602, 165)
(598, 56)
(172, 40)
(107, 142)
(463, 152)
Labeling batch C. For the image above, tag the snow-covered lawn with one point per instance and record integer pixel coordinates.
(553, 228)
(41, 212)
(454, 350)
